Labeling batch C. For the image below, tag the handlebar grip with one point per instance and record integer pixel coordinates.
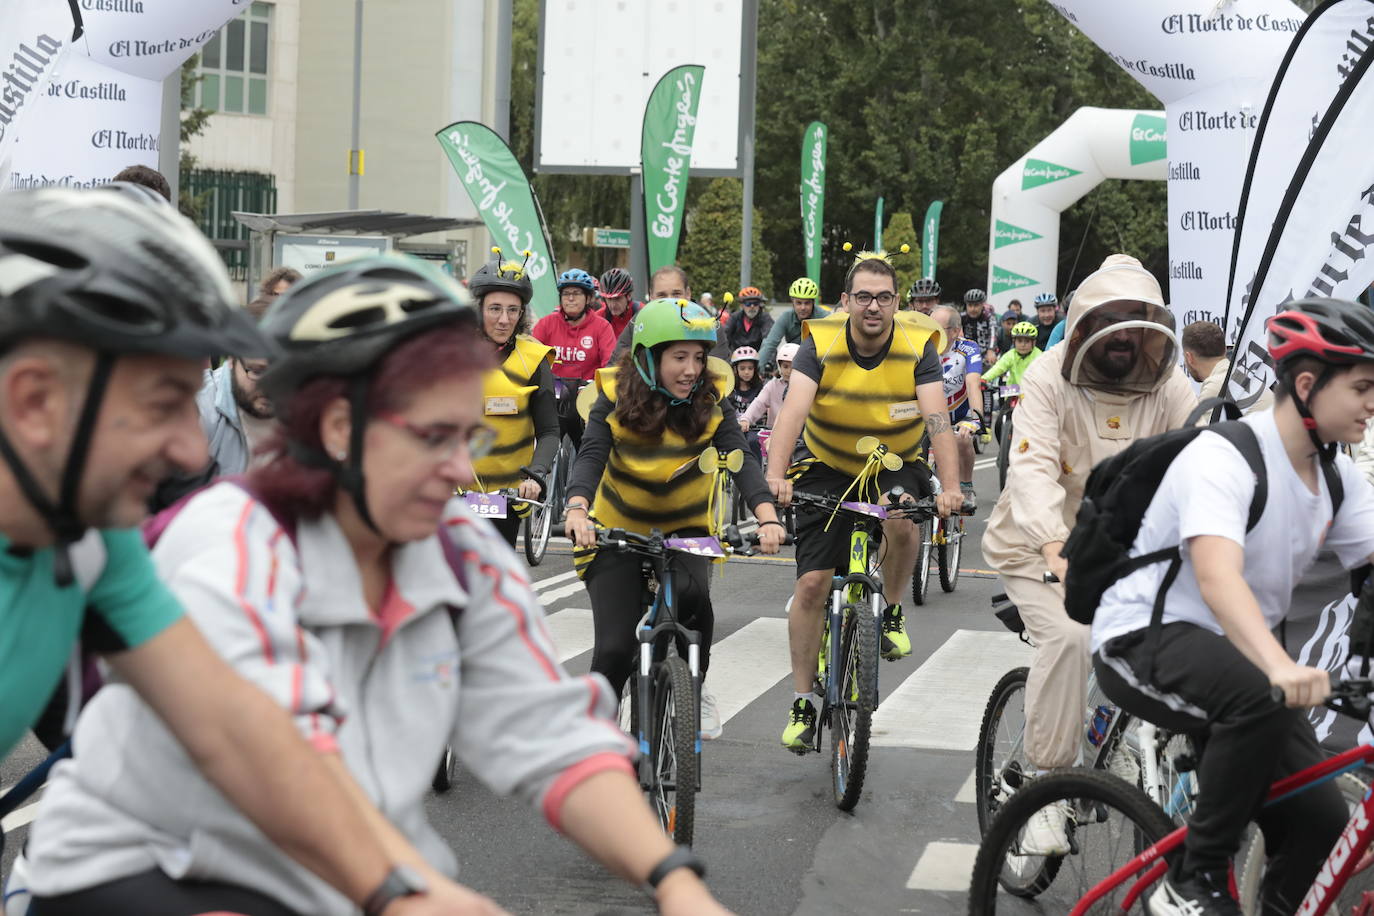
(1050, 578)
(968, 508)
(537, 478)
(1277, 695)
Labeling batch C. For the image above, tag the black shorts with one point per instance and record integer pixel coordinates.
(818, 548)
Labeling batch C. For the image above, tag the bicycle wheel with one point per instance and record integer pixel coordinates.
(920, 576)
(447, 772)
(673, 745)
(1250, 861)
(1000, 764)
(538, 525)
(947, 554)
(1110, 823)
(1004, 452)
(856, 672)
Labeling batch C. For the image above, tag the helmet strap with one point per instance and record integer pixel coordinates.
(350, 474)
(64, 518)
(1326, 451)
(650, 378)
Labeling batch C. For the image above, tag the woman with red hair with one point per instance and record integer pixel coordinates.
(390, 621)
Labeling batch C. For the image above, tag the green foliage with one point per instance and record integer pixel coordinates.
(711, 242)
(901, 231)
(193, 120)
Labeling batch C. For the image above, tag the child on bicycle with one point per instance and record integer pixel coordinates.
(1205, 666)
(655, 412)
(768, 404)
(744, 362)
(518, 399)
(1017, 360)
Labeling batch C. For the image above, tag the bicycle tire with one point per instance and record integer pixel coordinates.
(1250, 860)
(920, 575)
(538, 525)
(447, 772)
(673, 745)
(989, 786)
(978, 442)
(1144, 824)
(852, 719)
(948, 554)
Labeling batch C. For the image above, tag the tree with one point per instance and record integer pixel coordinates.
(710, 250)
(900, 231)
(193, 121)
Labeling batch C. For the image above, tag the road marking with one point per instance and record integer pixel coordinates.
(571, 631)
(747, 663)
(939, 706)
(984, 463)
(19, 818)
(944, 867)
(555, 594)
(551, 581)
(968, 792)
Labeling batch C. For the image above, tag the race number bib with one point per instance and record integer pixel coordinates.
(903, 410)
(500, 407)
(487, 505)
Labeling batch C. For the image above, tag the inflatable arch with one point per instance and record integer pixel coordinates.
(1094, 144)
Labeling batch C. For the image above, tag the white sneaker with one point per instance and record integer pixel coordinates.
(710, 716)
(1047, 832)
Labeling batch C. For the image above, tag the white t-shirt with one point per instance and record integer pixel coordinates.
(1207, 491)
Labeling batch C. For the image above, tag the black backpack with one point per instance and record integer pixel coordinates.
(1120, 489)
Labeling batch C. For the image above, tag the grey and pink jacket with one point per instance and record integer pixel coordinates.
(458, 655)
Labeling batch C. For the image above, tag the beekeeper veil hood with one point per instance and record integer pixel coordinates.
(1120, 335)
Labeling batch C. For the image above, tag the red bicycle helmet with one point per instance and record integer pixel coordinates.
(617, 282)
(1332, 330)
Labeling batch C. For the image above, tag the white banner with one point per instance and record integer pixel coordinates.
(34, 36)
(1210, 64)
(1309, 205)
(151, 38)
(1094, 144)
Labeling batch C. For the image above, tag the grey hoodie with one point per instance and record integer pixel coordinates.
(388, 694)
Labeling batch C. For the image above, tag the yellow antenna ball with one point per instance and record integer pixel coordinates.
(682, 303)
(495, 250)
(848, 246)
(527, 253)
(905, 248)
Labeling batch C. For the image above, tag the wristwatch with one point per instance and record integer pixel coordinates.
(681, 857)
(401, 881)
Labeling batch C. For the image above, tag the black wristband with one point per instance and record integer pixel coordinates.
(681, 857)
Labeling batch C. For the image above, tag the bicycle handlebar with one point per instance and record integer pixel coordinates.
(1349, 696)
(747, 544)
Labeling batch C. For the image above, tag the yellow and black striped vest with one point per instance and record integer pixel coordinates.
(852, 402)
(653, 481)
(506, 392)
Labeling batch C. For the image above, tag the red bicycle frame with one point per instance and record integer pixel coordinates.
(1330, 881)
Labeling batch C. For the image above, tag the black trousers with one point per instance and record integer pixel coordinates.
(508, 526)
(616, 586)
(1203, 686)
(152, 893)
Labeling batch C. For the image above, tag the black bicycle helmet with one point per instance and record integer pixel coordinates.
(341, 322)
(498, 276)
(617, 282)
(975, 295)
(924, 288)
(119, 272)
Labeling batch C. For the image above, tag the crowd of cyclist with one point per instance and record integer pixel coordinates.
(307, 578)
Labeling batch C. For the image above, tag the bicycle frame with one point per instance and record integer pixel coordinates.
(1331, 879)
(843, 593)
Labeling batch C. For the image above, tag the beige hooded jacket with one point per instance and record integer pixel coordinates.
(1074, 414)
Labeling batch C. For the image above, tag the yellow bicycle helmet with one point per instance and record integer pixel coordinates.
(1024, 329)
(804, 288)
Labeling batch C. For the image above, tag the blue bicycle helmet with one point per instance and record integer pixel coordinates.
(1046, 299)
(578, 278)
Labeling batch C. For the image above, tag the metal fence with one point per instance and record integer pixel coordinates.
(214, 195)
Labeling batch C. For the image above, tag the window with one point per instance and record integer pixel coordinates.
(233, 64)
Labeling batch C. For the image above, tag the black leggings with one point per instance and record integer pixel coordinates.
(152, 893)
(1203, 686)
(616, 588)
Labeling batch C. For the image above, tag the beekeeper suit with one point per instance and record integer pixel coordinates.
(1114, 380)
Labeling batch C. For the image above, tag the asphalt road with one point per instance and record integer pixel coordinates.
(766, 827)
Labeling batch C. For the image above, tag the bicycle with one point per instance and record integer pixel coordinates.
(847, 674)
(1117, 884)
(1002, 429)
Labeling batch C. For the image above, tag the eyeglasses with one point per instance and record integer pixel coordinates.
(255, 371)
(510, 311)
(572, 293)
(865, 299)
(443, 440)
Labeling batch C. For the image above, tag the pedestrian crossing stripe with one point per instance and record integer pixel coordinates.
(944, 867)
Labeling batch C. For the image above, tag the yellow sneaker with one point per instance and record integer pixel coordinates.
(896, 644)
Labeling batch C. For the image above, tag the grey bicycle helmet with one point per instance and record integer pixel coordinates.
(119, 272)
(498, 276)
(341, 322)
(975, 295)
(924, 288)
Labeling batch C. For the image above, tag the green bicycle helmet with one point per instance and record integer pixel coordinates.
(804, 288)
(665, 321)
(341, 322)
(1024, 329)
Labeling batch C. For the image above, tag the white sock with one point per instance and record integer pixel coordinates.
(811, 698)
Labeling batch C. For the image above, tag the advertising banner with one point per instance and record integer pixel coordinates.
(151, 38)
(930, 239)
(813, 196)
(670, 122)
(878, 226)
(1094, 144)
(36, 34)
(1307, 215)
(504, 199)
(1210, 66)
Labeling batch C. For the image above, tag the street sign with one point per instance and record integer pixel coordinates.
(606, 238)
